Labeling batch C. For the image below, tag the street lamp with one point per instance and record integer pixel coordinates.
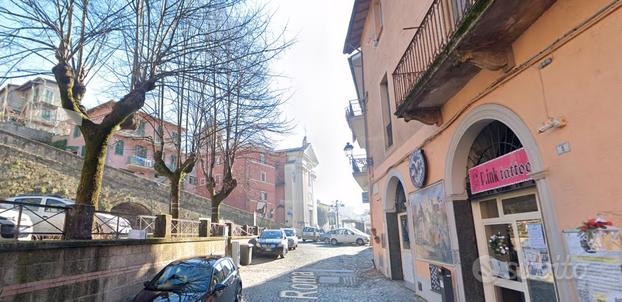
(337, 204)
(348, 150)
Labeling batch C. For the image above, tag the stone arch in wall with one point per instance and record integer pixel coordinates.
(393, 196)
(456, 191)
(131, 208)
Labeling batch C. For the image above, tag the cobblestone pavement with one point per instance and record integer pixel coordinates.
(318, 272)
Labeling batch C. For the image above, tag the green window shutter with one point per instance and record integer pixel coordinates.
(76, 131)
(141, 128)
(46, 115)
(118, 148)
(83, 151)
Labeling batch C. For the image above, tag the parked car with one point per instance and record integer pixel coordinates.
(8, 224)
(48, 216)
(271, 242)
(213, 278)
(292, 238)
(325, 236)
(347, 235)
(311, 233)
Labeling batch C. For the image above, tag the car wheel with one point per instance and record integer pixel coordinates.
(238, 294)
(360, 241)
(333, 241)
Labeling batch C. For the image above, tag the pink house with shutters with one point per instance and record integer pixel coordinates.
(131, 150)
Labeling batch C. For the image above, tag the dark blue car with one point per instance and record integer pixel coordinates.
(212, 279)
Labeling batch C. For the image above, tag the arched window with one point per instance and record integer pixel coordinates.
(494, 140)
(400, 198)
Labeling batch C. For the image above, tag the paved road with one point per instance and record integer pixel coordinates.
(318, 272)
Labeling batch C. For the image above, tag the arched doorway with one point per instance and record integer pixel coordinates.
(499, 216)
(398, 236)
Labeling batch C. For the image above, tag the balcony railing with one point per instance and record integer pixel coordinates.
(437, 28)
(353, 109)
(140, 161)
(360, 164)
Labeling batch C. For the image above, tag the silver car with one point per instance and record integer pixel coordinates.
(311, 233)
(8, 223)
(292, 238)
(48, 216)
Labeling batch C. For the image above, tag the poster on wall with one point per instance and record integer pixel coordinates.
(597, 271)
(431, 224)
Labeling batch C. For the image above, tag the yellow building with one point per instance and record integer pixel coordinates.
(493, 131)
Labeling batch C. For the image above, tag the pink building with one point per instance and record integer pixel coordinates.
(130, 150)
(256, 172)
(493, 129)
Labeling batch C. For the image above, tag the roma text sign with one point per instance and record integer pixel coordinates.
(502, 171)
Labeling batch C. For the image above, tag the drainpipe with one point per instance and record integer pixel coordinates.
(4, 101)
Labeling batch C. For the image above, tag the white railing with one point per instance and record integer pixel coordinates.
(140, 161)
(185, 228)
(146, 223)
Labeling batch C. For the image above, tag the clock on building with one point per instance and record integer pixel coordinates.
(417, 168)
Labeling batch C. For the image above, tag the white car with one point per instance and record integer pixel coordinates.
(292, 238)
(347, 235)
(48, 216)
(8, 223)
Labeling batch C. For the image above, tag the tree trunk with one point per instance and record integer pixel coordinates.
(216, 211)
(79, 220)
(175, 195)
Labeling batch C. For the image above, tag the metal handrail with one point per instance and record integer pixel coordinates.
(437, 28)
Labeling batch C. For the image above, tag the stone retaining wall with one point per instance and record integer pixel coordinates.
(27, 166)
(90, 270)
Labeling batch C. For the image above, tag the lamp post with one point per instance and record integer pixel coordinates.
(336, 205)
(348, 150)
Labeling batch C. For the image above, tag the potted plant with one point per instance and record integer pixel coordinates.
(587, 231)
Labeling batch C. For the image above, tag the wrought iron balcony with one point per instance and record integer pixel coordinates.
(360, 167)
(356, 121)
(353, 109)
(455, 40)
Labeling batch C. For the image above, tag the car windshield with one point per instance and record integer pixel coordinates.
(191, 276)
(357, 231)
(290, 233)
(271, 235)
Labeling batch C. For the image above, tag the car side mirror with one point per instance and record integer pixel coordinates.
(220, 287)
(146, 284)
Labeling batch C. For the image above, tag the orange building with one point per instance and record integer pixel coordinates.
(492, 128)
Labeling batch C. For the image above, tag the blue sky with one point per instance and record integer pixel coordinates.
(321, 85)
(318, 80)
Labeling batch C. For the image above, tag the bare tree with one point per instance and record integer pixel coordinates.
(79, 37)
(244, 108)
(185, 100)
